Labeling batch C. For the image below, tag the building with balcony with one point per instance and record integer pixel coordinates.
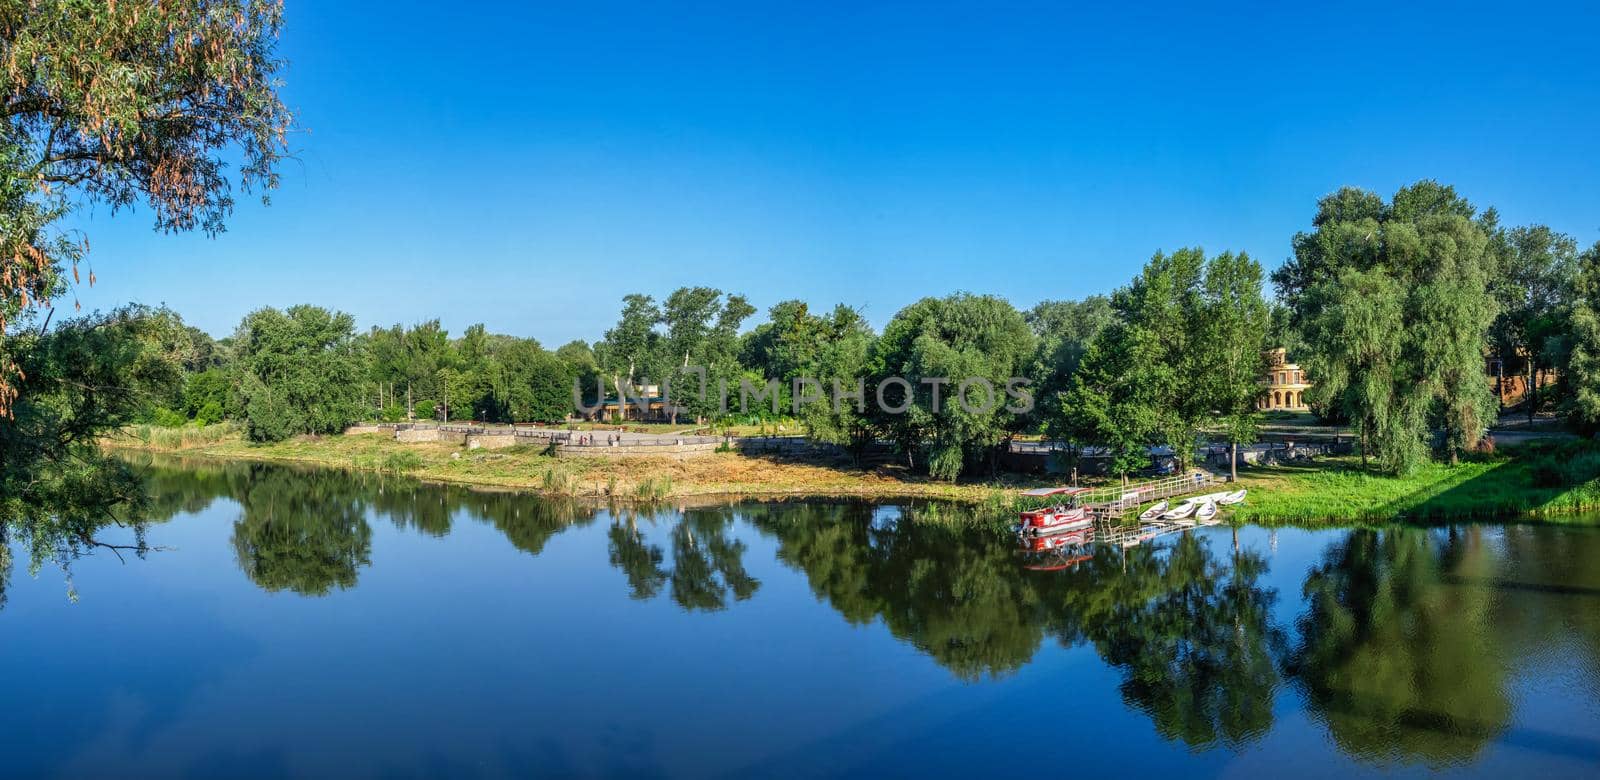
(1286, 385)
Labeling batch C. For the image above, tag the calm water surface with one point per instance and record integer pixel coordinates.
(318, 623)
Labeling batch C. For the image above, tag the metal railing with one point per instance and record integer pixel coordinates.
(1116, 499)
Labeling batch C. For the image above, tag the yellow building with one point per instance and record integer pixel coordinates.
(1286, 384)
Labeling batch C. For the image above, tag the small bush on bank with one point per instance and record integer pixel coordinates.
(402, 462)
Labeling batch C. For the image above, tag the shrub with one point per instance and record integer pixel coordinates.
(424, 410)
(166, 418)
(269, 418)
(210, 414)
(402, 462)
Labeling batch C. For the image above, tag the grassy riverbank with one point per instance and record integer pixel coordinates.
(1542, 479)
(642, 478)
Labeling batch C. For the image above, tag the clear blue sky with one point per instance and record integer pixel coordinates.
(526, 164)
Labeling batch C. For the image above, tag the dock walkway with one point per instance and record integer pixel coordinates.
(1116, 500)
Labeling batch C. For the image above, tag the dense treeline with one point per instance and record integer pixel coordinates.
(1396, 307)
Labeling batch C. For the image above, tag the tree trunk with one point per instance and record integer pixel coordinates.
(1532, 392)
(1500, 384)
(1233, 461)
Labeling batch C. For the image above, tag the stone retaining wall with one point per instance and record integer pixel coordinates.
(411, 435)
(675, 451)
(482, 441)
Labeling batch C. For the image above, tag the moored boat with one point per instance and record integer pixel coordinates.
(1062, 518)
(1229, 499)
(1206, 513)
(1181, 511)
(1154, 511)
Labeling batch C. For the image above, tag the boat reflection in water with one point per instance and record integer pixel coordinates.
(1369, 648)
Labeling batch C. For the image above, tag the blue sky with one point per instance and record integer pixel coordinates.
(526, 164)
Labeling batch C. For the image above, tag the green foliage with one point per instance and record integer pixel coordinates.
(1531, 281)
(125, 103)
(401, 462)
(1582, 373)
(167, 418)
(210, 414)
(1393, 299)
(299, 372)
(831, 348)
(1063, 331)
(425, 410)
(960, 338)
(1230, 352)
(632, 349)
(206, 389)
(1186, 345)
(85, 377)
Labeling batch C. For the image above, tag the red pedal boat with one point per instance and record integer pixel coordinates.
(1064, 517)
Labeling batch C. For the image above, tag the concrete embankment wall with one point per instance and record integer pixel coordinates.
(675, 451)
(430, 434)
(600, 444)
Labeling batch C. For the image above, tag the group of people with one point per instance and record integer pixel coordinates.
(588, 440)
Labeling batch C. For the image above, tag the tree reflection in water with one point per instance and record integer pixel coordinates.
(1189, 630)
(1399, 660)
(1402, 647)
(707, 563)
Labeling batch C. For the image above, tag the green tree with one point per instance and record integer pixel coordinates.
(581, 363)
(796, 345)
(632, 349)
(1356, 320)
(1423, 252)
(117, 103)
(958, 354)
(300, 372)
(537, 385)
(205, 394)
(1532, 282)
(1582, 373)
(1136, 387)
(703, 343)
(1231, 348)
(1063, 331)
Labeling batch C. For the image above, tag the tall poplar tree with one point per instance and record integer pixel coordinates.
(1232, 348)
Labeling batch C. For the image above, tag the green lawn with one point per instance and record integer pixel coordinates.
(1541, 479)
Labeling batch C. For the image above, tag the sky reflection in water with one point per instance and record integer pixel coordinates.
(315, 622)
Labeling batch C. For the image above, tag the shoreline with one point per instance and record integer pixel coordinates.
(718, 476)
(1512, 485)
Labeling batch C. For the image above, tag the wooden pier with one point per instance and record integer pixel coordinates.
(1116, 500)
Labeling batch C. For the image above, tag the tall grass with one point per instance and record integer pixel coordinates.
(176, 438)
(653, 489)
(401, 462)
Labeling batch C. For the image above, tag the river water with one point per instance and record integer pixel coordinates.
(299, 622)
